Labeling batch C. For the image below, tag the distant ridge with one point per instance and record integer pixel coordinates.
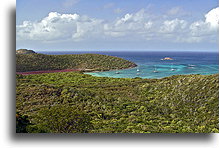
(24, 51)
(25, 61)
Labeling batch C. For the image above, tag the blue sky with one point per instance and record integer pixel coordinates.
(47, 25)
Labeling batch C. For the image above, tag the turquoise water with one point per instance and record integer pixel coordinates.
(149, 62)
(147, 71)
(204, 63)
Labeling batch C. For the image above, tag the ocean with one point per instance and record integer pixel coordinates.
(150, 64)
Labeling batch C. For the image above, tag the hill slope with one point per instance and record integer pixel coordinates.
(35, 62)
(60, 102)
(24, 51)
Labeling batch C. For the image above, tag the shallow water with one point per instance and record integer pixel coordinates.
(184, 63)
(147, 71)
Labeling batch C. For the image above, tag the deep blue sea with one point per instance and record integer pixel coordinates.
(150, 64)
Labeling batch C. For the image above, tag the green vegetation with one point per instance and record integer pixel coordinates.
(86, 62)
(72, 102)
(61, 119)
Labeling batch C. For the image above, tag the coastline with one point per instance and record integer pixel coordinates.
(45, 71)
(180, 66)
(96, 71)
(68, 70)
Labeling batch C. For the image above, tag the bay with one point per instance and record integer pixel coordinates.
(150, 64)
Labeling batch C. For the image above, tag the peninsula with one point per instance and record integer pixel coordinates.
(31, 61)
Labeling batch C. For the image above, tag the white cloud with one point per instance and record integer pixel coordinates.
(139, 26)
(58, 27)
(88, 29)
(211, 22)
(212, 17)
(200, 28)
(206, 29)
(148, 25)
(173, 26)
(133, 22)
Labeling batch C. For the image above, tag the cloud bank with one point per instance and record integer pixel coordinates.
(140, 26)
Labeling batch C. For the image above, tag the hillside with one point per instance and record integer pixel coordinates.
(92, 62)
(74, 102)
(24, 51)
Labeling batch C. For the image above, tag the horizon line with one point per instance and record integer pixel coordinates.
(125, 51)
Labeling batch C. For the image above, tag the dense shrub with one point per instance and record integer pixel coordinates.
(176, 104)
(63, 119)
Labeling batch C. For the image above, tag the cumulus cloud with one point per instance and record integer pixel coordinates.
(209, 25)
(212, 17)
(135, 24)
(91, 28)
(132, 22)
(173, 26)
(132, 26)
(202, 29)
(58, 26)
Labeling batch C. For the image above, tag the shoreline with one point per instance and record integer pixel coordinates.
(109, 70)
(46, 71)
(67, 70)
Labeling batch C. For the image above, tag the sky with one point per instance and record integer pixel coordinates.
(117, 25)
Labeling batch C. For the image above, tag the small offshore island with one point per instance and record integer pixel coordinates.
(74, 102)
